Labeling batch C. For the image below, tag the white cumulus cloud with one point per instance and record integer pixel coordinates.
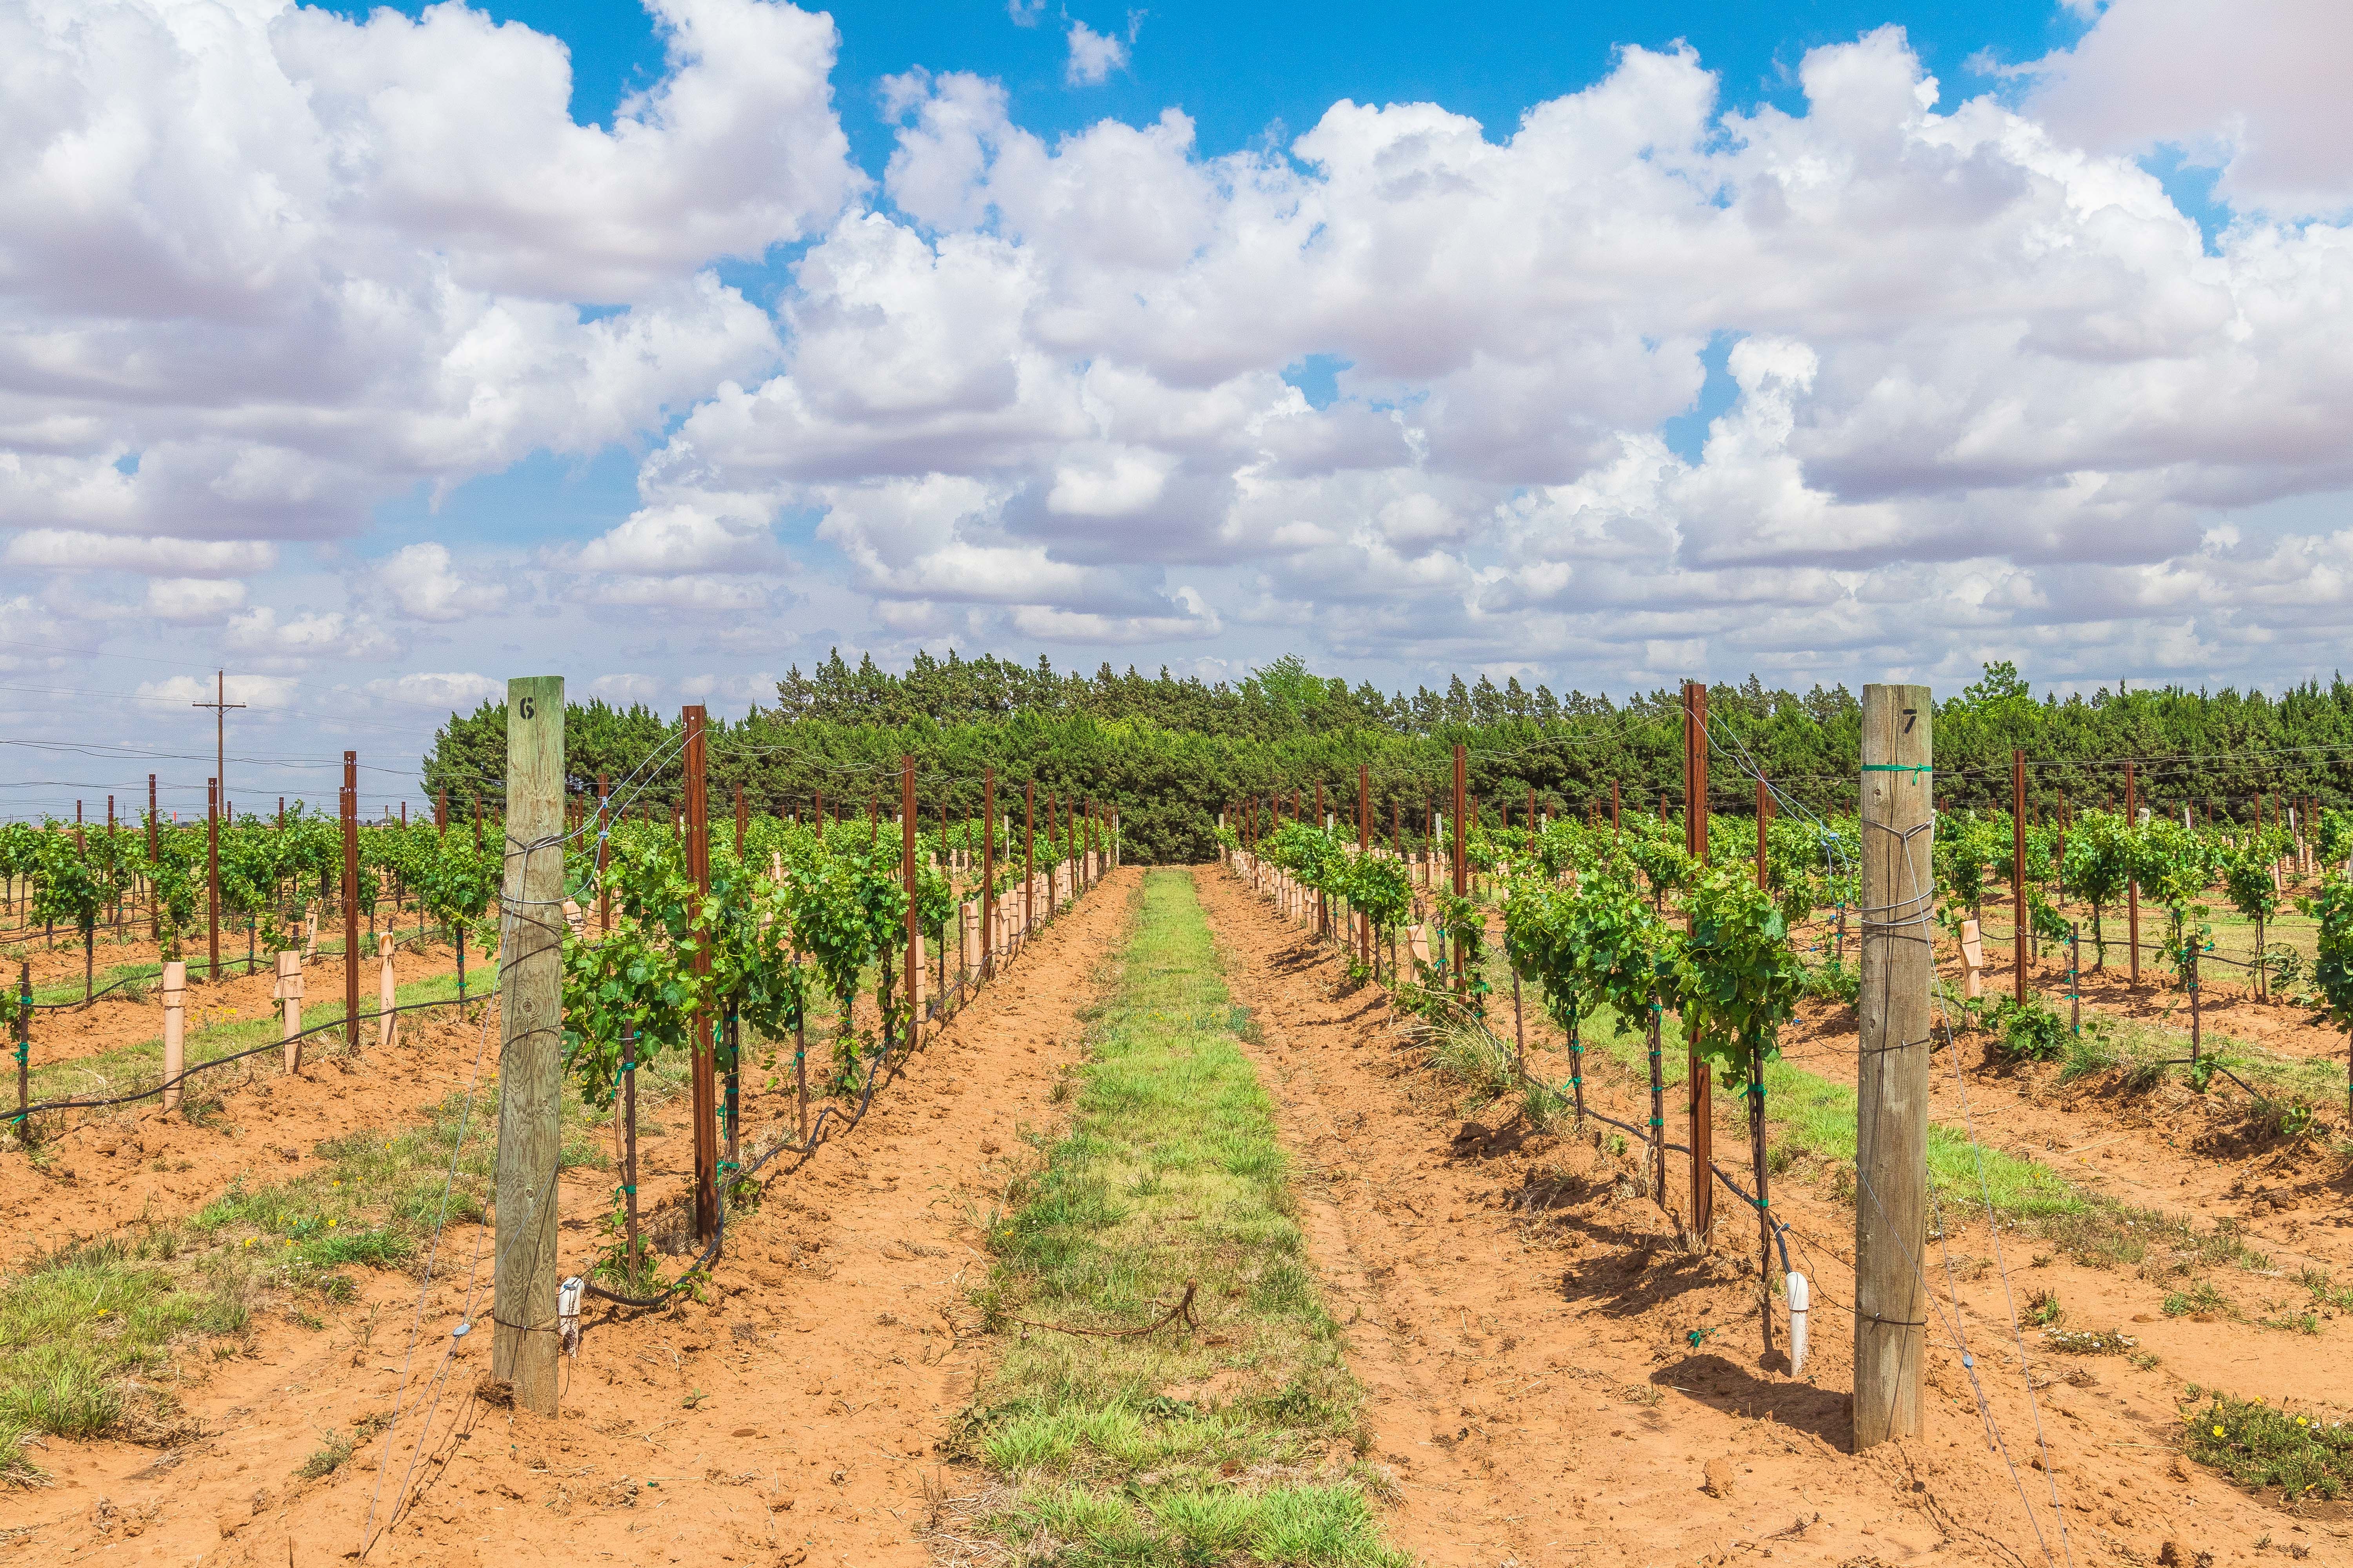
(444, 691)
(1406, 389)
(2257, 93)
(1093, 56)
(425, 585)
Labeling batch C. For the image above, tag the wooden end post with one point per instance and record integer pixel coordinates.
(523, 1340)
(1898, 900)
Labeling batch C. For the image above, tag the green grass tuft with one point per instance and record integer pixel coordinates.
(2301, 1452)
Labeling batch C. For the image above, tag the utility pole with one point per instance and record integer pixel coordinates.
(221, 705)
(1898, 907)
(530, 1022)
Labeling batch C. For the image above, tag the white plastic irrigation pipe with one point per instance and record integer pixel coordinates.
(1799, 1298)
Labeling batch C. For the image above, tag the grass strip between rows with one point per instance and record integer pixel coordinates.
(1241, 1442)
(96, 1337)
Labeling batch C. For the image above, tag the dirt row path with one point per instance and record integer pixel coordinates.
(1554, 1381)
(794, 1418)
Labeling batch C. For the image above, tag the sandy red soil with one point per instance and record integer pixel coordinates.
(1524, 1317)
(1521, 1314)
(792, 1419)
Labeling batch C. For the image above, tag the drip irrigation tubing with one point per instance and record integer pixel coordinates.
(1529, 1080)
(45, 1107)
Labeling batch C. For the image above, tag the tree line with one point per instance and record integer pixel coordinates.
(1168, 755)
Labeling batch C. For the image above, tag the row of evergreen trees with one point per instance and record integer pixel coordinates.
(1283, 698)
(1169, 754)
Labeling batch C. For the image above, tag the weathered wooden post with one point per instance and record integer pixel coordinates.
(175, 1031)
(988, 873)
(2018, 918)
(706, 1070)
(2132, 885)
(289, 996)
(1365, 852)
(351, 811)
(1461, 884)
(23, 1049)
(1897, 914)
(907, 875)
(386, 1022)
(1697, 1080)
(154, 908)
(523, 1340)
(212, 880)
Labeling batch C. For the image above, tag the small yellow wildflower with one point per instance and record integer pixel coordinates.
(2217, 1431)
(331, 1224)
(2301, 1421)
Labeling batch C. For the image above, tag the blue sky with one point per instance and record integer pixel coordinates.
(1244, 71)
(1249, 76)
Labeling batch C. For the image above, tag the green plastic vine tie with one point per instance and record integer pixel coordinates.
(1898, 768)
